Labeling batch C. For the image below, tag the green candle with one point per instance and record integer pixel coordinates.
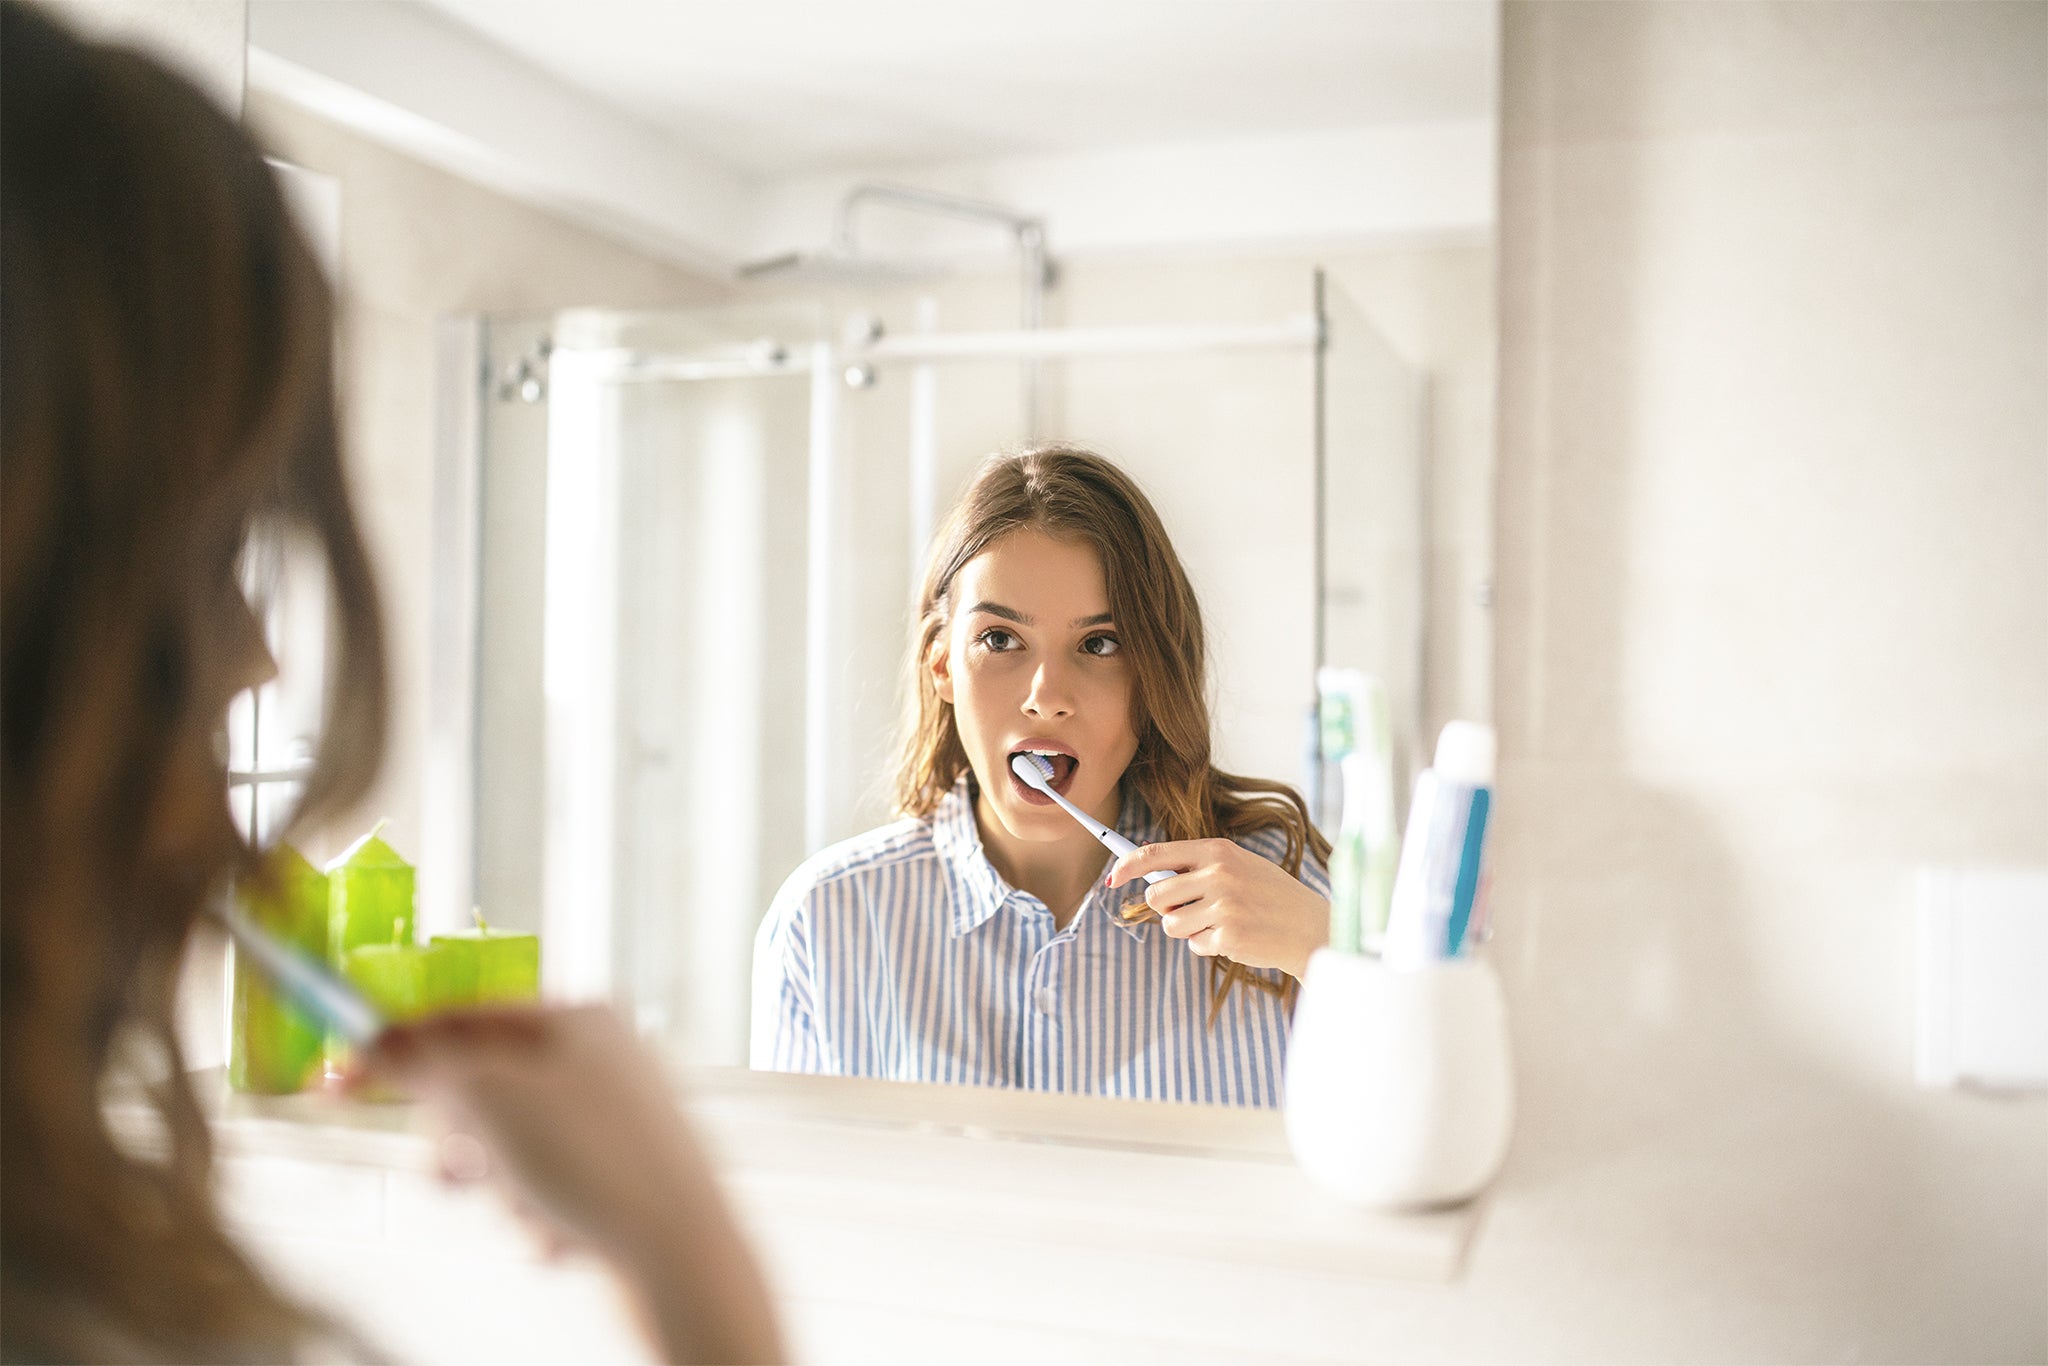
(272, 1046)
(451, 974)
(392, 976)
(369, 902)
(506, 964)
(370, 890)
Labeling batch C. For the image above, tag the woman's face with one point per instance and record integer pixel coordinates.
(230, 654)
(1032, 661)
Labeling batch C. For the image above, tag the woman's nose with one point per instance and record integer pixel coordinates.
(246, 660)
(1049, 695)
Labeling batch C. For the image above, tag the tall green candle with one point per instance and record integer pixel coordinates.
(273, 1047)
(369, 901)
(369, 896)
(507, 963)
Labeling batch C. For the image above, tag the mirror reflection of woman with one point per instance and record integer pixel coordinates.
(987, 938)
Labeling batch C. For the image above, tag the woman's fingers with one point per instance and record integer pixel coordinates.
(1174, 893)
(1175, 856)
(419, 1044)
(1194, 920)
(1227, 901)
(461, 1158)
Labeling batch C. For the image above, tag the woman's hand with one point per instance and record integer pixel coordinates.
(567, 1110)
(1229, 902)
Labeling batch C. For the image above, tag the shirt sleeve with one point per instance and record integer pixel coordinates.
(784, 1035)
(1315, 875)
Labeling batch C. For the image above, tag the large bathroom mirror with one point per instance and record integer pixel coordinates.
(674, 549)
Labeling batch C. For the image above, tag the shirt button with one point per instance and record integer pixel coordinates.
(1046, 1000)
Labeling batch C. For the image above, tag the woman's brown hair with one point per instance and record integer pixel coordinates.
(168, 384)
(1071, 493)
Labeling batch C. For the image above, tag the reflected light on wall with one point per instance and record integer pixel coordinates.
(579, 683)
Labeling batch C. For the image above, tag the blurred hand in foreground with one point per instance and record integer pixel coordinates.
(574, 1118)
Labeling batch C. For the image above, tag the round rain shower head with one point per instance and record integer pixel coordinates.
(838, 270)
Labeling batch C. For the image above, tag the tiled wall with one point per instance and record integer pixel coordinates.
(418, 244)
(1772, 540)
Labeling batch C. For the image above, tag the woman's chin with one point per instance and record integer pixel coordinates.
(1043, 822)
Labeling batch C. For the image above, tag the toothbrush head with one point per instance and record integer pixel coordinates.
(1034, 769)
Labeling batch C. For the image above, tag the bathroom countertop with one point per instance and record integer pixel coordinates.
(937, 1209)
(1119, 1173)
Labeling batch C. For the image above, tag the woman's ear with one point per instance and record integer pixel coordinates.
(938, 665)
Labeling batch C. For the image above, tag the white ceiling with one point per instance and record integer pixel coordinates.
(776, 88)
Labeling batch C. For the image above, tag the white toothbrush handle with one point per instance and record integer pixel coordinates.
(1115, 843)
(308, 983)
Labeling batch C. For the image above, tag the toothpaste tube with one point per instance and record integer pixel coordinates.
(1439, 901)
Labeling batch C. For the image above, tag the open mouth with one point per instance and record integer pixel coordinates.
(1063, 767)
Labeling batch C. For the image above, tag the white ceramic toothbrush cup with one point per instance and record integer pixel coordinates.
(1400, 1092)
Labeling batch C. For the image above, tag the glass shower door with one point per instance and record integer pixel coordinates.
(641, 651)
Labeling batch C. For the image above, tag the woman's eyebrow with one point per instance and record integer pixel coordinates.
(996, 609)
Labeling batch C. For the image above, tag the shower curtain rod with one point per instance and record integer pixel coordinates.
(1052, 343)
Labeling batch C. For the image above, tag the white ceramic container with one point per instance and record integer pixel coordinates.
(1400, 1088)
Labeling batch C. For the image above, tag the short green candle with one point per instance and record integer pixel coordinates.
(506, 962)
(393, 977)
(451, 974)
(273, 1047)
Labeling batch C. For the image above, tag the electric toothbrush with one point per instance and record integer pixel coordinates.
(308, 984)
(1036, 770)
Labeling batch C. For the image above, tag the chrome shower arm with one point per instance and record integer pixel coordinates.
(931, 201)
(1030, 238)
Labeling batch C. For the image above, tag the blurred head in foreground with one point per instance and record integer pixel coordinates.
(167, 389)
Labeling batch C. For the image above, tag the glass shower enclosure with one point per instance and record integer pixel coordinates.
(674, 566)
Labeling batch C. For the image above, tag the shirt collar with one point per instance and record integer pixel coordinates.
(957, 838)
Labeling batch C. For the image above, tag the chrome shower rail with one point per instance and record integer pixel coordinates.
(1054, 343)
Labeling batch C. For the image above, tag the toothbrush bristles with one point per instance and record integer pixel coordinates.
(1035, 769)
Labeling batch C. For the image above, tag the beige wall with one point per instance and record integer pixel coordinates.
(417, 244)
(1772, 543)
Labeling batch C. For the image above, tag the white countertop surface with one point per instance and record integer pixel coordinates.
(1205, 1182)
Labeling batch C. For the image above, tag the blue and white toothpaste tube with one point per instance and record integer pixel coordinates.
(1439, 902)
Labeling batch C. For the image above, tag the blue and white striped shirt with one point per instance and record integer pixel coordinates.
(903, 954)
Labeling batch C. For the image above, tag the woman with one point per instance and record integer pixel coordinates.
(167, 385)
(977, 939)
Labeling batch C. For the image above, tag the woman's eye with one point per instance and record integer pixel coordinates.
(996, 638)
(1100, 646)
